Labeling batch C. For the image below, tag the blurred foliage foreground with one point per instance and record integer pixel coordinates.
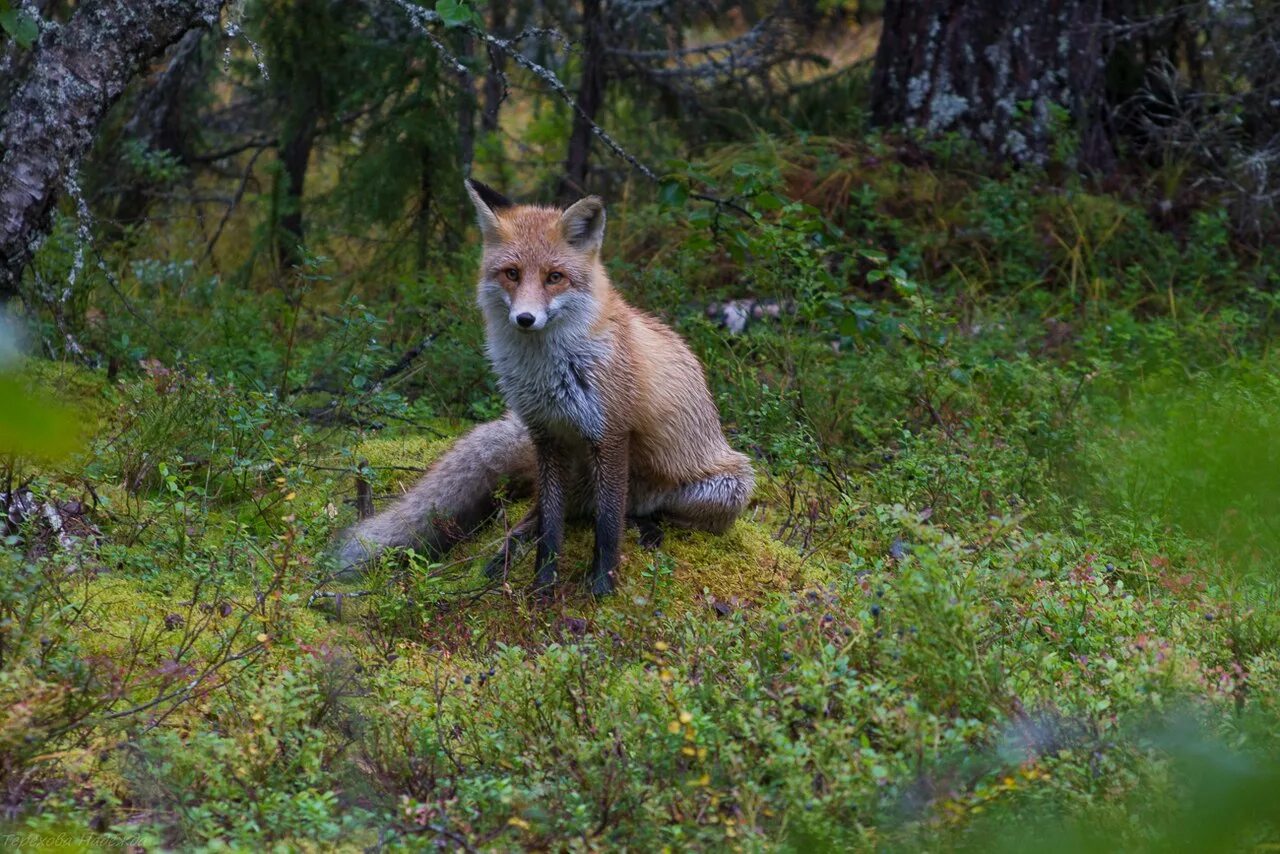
(1009, 578)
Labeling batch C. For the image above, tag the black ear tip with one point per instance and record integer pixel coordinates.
(488, 195)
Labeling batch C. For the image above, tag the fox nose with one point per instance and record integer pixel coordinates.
(525, 319)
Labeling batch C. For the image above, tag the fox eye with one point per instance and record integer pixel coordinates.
(512, 273)
(555, 278)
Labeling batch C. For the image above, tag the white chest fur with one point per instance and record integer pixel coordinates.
(550, 378)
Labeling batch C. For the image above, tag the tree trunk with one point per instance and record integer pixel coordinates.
(590, 99)
(426, 193)
(15, 60)
(156, 119)
(156, 122)
(494, 89)
(466, 110)
(995, 72)
(78, 71)
(295, 154)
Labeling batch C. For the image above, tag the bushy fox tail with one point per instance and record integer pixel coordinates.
(452, 499)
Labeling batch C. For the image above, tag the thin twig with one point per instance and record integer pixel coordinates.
(235, 202)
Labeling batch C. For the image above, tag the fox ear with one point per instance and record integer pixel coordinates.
(488, 202)
(584, 224)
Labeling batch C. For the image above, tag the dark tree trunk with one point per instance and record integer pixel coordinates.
(466, 111)
(157, 120)
(295, 154)
(77, 72)
(994, 72)
(494, 90)
(590, 99)
(426, 192)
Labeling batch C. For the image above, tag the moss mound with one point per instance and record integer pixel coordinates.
(692, 569)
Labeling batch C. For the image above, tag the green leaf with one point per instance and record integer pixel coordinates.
(454, 13)
(767, 201)
(673, 194)
(35, 425)
(21, 27)
(849, 325)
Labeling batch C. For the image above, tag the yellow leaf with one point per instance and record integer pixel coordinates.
(516, 821)
(673, 727)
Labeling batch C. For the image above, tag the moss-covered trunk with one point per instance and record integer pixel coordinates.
(77, 72)
(995, 72)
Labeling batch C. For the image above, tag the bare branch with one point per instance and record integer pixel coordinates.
(424, 18)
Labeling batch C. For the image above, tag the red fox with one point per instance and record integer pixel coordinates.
(610, 414)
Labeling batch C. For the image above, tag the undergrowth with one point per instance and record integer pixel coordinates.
(1010, 568)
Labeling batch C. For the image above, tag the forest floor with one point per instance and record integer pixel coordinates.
(1009, 576)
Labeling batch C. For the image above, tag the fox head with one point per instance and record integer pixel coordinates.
(541, 265)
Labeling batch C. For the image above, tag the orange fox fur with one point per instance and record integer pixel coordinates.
(610, 414)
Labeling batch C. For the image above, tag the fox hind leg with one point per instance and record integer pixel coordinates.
(711, 504)
(514, 546)
(650, 529)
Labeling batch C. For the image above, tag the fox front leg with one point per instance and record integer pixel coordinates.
(550, 510)
(610, 459)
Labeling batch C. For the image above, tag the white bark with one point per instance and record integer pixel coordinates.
(77, 72)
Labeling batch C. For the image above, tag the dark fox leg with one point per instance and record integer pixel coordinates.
(650, 529)
(513, 546)
(552, 483)
(610, 465)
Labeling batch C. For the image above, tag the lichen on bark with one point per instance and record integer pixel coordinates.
(76, 73)
(991, 71)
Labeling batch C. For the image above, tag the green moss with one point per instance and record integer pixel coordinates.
(745, 563)
(390, 457)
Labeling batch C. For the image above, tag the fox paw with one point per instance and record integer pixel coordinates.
(498, 566)
(600, 583)
(651, 533)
